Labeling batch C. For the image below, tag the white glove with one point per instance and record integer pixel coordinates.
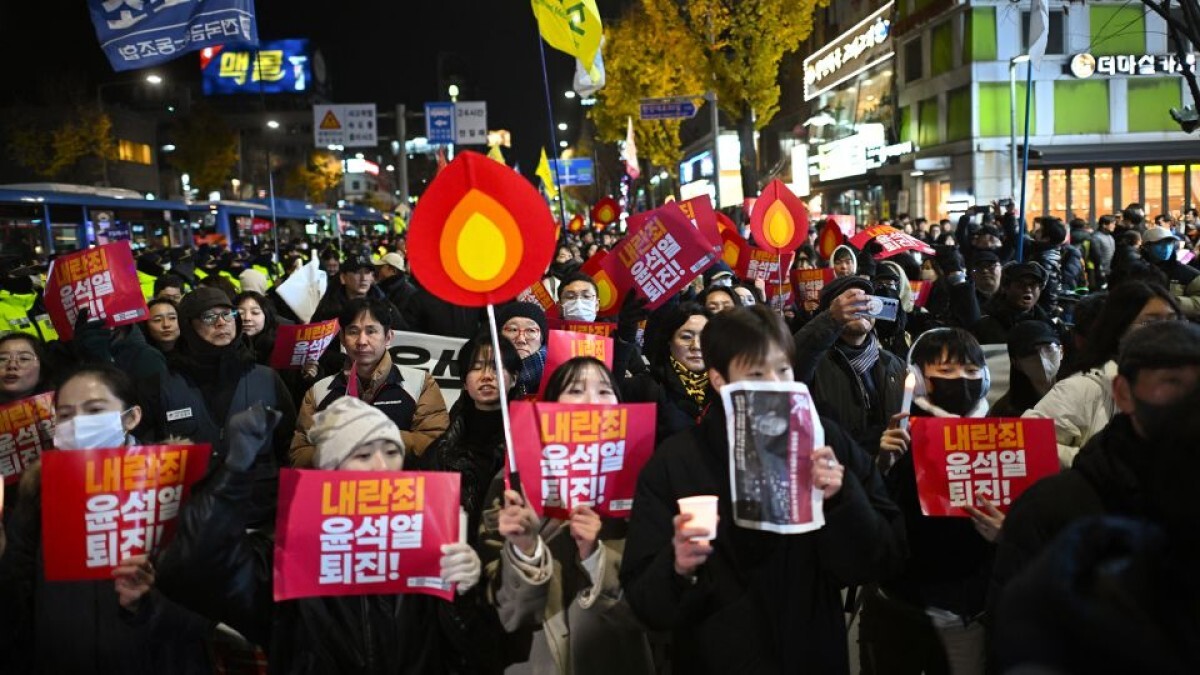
(460, 565)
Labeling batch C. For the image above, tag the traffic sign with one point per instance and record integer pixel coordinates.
(573, 171)
(470, 122)
(347, 124)
(439, 123)
(670, 108)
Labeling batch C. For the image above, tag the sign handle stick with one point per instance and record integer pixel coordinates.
(513, 476)
(779, 293)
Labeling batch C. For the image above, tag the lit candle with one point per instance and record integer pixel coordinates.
(910, 384)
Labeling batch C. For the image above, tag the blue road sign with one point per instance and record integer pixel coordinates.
(439, 123)
(666, 109)
(573, 171)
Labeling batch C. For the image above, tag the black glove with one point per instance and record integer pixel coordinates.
(633, 312)
(248, 431)
(92, 339)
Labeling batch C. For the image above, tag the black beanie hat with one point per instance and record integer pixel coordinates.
(525, 310)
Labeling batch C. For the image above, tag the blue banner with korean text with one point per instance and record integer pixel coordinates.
(143, 33)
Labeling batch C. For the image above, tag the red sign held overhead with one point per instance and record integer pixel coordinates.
(779, 221)
(102, 280)
(892, 240)
(661, 254)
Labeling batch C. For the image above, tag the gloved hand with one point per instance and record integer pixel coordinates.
(248, 431)
(948, 260)
(92, 338)
(460, 565)
(633, 312)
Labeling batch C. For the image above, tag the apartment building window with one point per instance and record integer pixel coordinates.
(1056, 42)
(130, 151)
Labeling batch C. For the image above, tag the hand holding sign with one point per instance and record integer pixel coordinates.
(519, 523)
(585, 530)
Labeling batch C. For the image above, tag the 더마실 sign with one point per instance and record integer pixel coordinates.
(364, 532)
(107, 505)
(582, 455)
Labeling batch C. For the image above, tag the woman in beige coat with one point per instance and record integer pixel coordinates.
(560, 577)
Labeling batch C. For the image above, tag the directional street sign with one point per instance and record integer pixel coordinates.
(439, 123)
(573, 171)
(671, 108)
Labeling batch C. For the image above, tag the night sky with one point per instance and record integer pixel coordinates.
(384, 51)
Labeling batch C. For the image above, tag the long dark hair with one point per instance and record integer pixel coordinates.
(1124, 303)
(117, 381)
(572, 370)
(658, 344)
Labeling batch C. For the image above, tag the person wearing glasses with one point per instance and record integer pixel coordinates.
(211, 376)
(1083, 404)
(21, 367)
(524, 325)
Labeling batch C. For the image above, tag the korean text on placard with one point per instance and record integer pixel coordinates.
(365, 525)
(982, 459)
(580, 450)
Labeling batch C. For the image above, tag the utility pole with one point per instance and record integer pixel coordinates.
(402, 152)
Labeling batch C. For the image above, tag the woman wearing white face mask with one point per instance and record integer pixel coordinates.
(100, 626)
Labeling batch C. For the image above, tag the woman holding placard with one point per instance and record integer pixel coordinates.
(96, 627)
(561, 577)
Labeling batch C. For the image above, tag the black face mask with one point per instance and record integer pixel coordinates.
(956, 395)
(1157, 419)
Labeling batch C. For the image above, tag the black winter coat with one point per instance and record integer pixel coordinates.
(426, 313)
(839, 392)
(473, 446)
(763, 602)
(675, 410)
(216, 568)
(993, 328)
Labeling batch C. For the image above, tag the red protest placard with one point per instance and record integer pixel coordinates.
(661, 254)
(364, 532)
(779, 297)
(538, 295)
(102, 280)
(296, 345)
(959, 459)
(892, 240)
(26, 428)
(779, 220)
(107, 505)
(920, 289)
(582, 455)
(609, 296)
(588, 327)
(564, 345)
(810, 282)
(762, 265)
(734, 249)
(700, 211)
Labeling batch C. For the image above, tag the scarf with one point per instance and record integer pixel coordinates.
(863, 358)
(695, 385)
(530, 378)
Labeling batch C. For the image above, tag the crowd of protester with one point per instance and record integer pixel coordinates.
(1091, 570)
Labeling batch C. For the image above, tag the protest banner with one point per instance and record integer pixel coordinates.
(734, 249)
(540, 296)
(564, 345)
(609, 296)
(772, 428)
(762, 265)
(436, 355)
(103, 280)
(582, 455)
(779, 297)
(296, 345)
(920, 290)
(606, 212)
(107, 505)
(364, 532)
(892, 240)
(587, 327)
(808, 283)
(700, 211)
(779, 220)
(960, 460)
(661, 254)
(26, 428)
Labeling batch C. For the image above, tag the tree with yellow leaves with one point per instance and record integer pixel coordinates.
(732, 46)
(62, 146)
(316, 179)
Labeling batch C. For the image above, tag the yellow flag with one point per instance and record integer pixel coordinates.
(543, 171)
(571, 26)
(494, 153)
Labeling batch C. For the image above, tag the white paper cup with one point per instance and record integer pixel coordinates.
(703, 509)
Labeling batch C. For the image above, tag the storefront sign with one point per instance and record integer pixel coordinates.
(1085, 65)
(879, 155)
(847, 157)
(859, 48)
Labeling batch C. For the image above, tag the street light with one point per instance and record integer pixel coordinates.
(453, 91)
(154, 79)
(569, 93)
(562, 126)
(1012, 126)
(563, 144)
(272, 124)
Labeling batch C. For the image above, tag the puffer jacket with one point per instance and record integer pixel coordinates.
(80, 628)
(218, 569)
(1080, 406)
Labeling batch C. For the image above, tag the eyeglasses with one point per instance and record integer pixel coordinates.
(22, 359)
(512, 332)
(211, 318)
(572, 295)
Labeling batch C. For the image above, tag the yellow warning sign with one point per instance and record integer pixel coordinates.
(330, 122)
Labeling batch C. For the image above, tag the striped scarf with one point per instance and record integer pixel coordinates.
(530, 378)
(866, 356)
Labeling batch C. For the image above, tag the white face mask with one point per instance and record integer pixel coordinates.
(580, 309)
(90, 432)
